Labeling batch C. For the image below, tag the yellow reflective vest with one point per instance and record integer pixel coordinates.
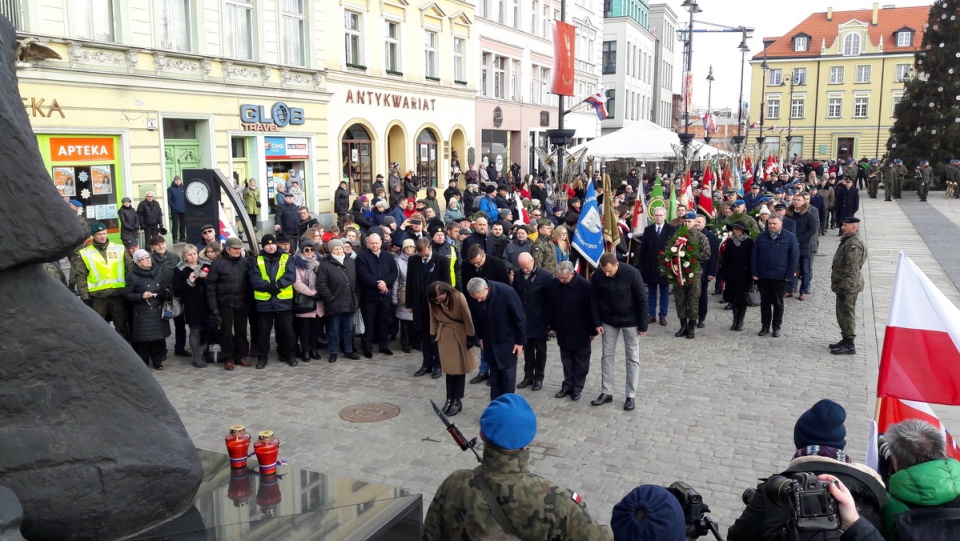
(285, 293)
(104, 273)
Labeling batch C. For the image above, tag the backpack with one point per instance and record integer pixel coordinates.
(929, 523)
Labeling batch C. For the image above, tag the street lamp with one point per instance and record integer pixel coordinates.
(706, 128)
(786, 155)
(744, 49)
(686, 137)
(763, 88)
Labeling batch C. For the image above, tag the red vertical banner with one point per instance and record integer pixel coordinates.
(687, 91)
(564, 37)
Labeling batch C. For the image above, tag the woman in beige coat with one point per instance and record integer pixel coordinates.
(450, 325)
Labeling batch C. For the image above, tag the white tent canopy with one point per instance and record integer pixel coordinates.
(641, 140)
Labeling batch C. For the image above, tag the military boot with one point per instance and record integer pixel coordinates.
(838, 344)
(847, 348)
(683, 328)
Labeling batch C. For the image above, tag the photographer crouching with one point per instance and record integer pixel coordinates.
(822, 494)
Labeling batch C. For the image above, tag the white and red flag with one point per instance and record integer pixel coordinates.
(894, 410)
(920, 359)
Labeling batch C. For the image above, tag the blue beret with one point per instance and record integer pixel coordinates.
(739, 202)
(662, 520)
(777, 190)
(97, 227)
(509, 422)
(690, 216)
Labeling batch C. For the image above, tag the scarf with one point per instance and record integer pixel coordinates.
(824, 451)
(338, 258)
(737, 239)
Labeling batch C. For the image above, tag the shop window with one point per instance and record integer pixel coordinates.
(294, 33)
(427, 158)
(238, 29)
(356, 155)
(175, 29)
(92, 19)
(494, 149)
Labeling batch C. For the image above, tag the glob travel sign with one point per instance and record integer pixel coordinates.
(280, 115)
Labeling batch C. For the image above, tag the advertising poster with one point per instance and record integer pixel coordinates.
(65, 181)
(101, 179)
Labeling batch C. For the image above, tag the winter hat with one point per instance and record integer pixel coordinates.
(334, 243)
(509, 422)
(97, 227)
(268, 239)
(140, 255)
(648, 513)
(489, 188)
(389, 220)
(408, 242)
(234, 242)
(306, 243)
(821, 425)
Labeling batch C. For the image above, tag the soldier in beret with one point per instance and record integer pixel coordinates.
(846, 282)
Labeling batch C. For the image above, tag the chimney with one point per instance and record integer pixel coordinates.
(876, 13)
(829, 13)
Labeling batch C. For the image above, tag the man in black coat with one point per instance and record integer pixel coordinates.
(376, 273)
(151, 216)
(848, 202)
(272, 282)
(570, 315)
(502, 330)
(424, 269)
(807, 231)
(653, 241)
(530, 282)
(709, 269)
(287, 219)
(480, 236)
(306, 221)
(228, 299)
(488, 267)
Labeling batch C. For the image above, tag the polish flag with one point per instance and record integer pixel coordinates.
(920, 359)
(894, 410)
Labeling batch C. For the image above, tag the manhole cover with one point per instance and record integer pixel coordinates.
(369, 413)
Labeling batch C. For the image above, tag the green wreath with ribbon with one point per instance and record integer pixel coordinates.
(677, 261)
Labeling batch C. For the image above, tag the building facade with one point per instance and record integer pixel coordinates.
(637, 65)
(831, 84)
(403, 82)
(143, 92)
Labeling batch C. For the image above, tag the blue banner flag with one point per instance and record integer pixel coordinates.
(588, 239)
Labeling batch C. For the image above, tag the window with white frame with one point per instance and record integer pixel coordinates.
(459, 60)
(776, 77)
(498, 10)
(92, 19)
(175, 30)
(836, 75)
(800, 43)
(796, 108)
(514, 80)
(897, 98)
(484, 68)
(545, 22)
(238, 29)
(863, 74)
(851, 44)
(353, 38)
(294, 32)
(799, 76)
(860, 104)
(904, 38)
(499, 77)
(430, 55)
(391, 47)
(773, 108)
(534, 17)
(834, 106)
(516, 14)
(903, 70)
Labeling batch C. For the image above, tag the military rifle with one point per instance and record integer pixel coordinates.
(457, 435)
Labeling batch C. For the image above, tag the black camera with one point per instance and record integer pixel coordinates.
(694, 511)
(814, 507)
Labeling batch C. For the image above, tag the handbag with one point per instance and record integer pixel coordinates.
(753, 296)
(358, 326)
(402, 295)
(172, 307)
(303, 303)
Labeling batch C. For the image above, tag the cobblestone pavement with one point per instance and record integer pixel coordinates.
(717, 411)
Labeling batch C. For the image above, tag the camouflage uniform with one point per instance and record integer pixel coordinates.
(850, 171)
(873, 180)
(923, 183)
(901, 173)
(889, 174)
(687, 296)
(536, 508)
(544, 253)
(846, 281)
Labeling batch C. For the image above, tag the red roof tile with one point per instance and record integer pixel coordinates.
(819, 29)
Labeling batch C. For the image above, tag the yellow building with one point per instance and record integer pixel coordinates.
(828, 87)
(403, 81)
(140, 93)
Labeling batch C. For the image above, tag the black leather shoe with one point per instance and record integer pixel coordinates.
(332, 358)
(352, 356)
(293, 362)
(701, 324)
(368, 354)
(314, 354)
(455, 408)
(386, 351)
(561, 393)
(524, 384)
(763, 332)
(182, 353)
(423, 370)
(575, 397)
(261, 365)
(436, 373)
(602, 399)
(776, 332)
(446, 406)
(729, 306)
(691, 332)
(480, 378)
(405, 349)
(629, 405)
(537, 385)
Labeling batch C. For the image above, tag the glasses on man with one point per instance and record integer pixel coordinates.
(207, 231)
(307, 250)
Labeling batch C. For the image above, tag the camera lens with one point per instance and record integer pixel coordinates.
(777, 488)
(748, 495)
